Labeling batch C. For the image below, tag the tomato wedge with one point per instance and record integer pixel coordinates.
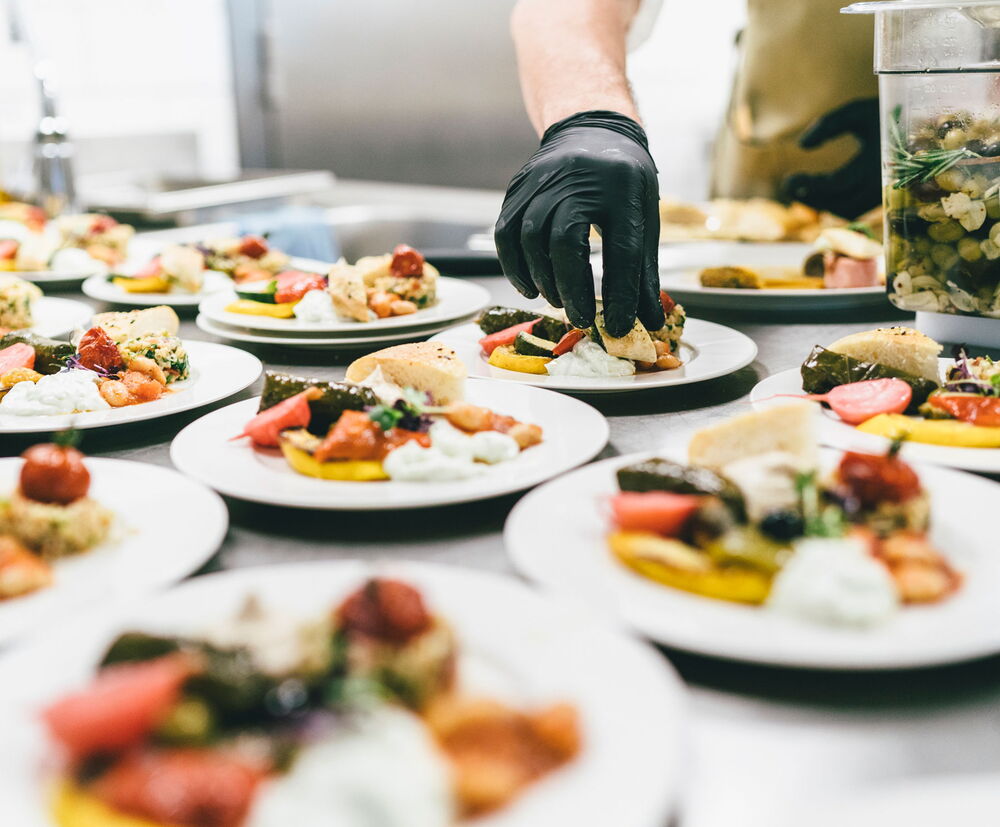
(659, 512)
(124, 703)
(976, 410)
(293, 412)
(505, 336)
(190, 787)
(666, 302)
(294, 284)
(568, 341)
(19, 355)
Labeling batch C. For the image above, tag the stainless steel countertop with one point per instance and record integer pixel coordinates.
(763, 741)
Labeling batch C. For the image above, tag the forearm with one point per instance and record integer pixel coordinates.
(571, 57)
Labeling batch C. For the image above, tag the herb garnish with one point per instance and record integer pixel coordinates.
(922, 165)
(819, 520)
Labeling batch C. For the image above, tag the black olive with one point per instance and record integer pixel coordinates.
(782, 525)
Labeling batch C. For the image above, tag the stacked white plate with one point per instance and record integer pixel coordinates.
(458, 301)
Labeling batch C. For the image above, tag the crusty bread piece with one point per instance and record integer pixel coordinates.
(348, 292)
(133, 324)
(787, 428)
(431, 367)
(902, 348)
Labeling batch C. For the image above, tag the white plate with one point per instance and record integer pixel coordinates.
(834, 432)
(695, 255)
(145, 551)
(708, 350)
(457, 299)
(217, 371)
(58, 276)
(573, 434)
(516, 646)
(556, 536)
(100, 286)
(930, 801)
(313, 341)
(56, 318)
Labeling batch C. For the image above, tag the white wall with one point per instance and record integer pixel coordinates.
(681, 76)
(126, 67)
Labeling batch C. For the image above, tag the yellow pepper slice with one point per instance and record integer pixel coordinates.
(948, 432)
(248, 307)
(146, 284)
(73, 807)
(677, 564)
(505, 357)
(7, 265)
(342, 470)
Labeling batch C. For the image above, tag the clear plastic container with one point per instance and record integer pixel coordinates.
(939, 84)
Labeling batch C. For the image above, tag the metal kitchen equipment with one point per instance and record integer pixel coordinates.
(939, 84)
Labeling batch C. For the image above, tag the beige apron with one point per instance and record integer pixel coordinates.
(799, 59)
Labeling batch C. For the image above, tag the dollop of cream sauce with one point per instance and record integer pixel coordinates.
(315, 306)
(835, 582)
(381, 770)
(66, 392)
(589, 359)
(453, 455)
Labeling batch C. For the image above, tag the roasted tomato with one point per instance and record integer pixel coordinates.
(977, 410)
(406, 262)
(190, 787)
(385, 609)
(54, 474)
(666, 302)
(122, 706)
(294, 284)
(8, 248)
(102, 223)
(97, 351)
(353, 437)
(253, 246)
(872, 479)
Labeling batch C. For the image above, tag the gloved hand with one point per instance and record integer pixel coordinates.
(857, 186)
(591, 168)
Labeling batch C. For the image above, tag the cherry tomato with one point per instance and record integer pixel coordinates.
(122, 706)
(54, 474)
(385, 609)
(406, 262)
(874, 479)
(253, 246)
(97, 351)
(190, 787)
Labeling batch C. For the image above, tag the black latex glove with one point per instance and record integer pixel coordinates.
(856, 187)
(591, 168)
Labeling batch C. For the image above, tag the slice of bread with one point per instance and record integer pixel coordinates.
(427, 366)
(787, 428)
(133, 324)
(902, 348)
(637, 344)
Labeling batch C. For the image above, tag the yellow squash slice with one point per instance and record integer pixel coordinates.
(677, 564)
(342, 470)
(147, 284)
(505, 357)
(948, 432)
(248, 307)
(72, 807)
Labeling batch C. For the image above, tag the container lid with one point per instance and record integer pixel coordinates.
(873, 6)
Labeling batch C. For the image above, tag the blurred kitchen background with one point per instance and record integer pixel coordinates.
(162, 96)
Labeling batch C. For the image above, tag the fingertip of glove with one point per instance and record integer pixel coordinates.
(618, 324)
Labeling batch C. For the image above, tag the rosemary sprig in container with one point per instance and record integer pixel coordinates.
(923, 165)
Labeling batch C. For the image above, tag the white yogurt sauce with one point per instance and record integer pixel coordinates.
(315, 306)
(69, 391)
(453, 455)
(836, 582)
(382, 770)
(589, 359)
(13, 230)
(75, 260)
(387, 391)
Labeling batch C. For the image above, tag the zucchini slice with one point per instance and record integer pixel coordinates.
(527, 344)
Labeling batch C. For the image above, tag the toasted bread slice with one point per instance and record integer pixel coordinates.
(426, 366)
(132, 324)
(787, 428)
(637, 344)
(348, 292)
(902, 348)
